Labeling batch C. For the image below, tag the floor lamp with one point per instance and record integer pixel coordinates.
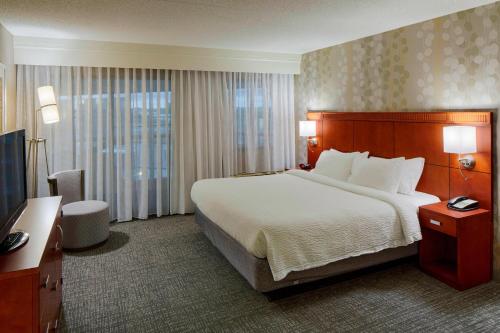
(50, 115)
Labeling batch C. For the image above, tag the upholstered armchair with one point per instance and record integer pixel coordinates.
(85, 223)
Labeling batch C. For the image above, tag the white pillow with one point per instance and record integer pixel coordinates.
(379, 173)
(354, 154)
(412, 171)
(335, 164)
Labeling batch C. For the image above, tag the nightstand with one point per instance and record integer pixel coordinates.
(456, 247)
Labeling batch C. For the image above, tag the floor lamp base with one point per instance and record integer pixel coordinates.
(33, 155)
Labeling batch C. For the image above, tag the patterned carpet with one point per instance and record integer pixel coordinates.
(163, 275)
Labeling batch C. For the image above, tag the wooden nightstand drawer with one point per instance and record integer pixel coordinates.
(439, 223)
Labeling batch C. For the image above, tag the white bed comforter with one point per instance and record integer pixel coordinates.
(300, 220)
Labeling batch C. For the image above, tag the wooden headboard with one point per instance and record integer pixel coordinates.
(413, 134)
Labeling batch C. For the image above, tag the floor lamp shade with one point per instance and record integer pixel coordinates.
(50, 114)
(46, 96)
(48, 105)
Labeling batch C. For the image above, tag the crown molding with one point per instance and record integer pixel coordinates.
(67, 52)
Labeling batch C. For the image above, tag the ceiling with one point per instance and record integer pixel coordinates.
(284, 26)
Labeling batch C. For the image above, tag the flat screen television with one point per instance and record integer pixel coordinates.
(13, 191)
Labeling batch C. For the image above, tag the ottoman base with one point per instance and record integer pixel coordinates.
(85, 224)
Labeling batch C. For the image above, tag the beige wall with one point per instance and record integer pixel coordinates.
(7, 58)
(448, 62)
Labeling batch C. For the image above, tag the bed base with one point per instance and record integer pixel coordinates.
(258, 273)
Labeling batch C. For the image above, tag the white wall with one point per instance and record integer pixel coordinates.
(7, 58)
(65, 52)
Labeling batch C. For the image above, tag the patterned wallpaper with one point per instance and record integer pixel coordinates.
(449, 62)
(452, 61)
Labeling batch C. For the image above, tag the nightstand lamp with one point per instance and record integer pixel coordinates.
(461, 140)
(308, 128)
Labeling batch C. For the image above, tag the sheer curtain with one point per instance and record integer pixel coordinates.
(144, 136)
(114, 125)
(227, 123)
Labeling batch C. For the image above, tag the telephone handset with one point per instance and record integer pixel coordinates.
(462, 203)
(305, 166)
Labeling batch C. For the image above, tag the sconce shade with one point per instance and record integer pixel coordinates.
(459, 139)
(48, 105)
(307, 128)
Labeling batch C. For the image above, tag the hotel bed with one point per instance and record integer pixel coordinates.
(296, 227)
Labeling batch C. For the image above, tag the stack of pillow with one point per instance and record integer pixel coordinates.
(394, 175)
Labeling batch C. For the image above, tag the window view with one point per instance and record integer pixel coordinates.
(152, 105)
(246, 119)
(152, 109)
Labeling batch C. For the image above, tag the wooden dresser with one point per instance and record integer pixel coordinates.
(31, 277)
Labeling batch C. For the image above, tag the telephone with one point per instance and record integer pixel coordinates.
(462, 204)
(305, 166)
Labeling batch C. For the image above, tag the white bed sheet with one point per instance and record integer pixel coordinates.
(301, 220)
(419, 199)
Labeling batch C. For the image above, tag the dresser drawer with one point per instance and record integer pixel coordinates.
(46, 279)
(49, 325)
(50, 281)
(439, 223)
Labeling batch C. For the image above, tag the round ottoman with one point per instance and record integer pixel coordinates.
(85, 223)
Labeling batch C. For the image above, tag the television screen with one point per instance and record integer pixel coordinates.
(13, 196)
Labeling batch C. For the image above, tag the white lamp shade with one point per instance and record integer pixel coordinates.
(307, 128)
(48, 105)
(46, 96)
(50, 114)
(459, 139)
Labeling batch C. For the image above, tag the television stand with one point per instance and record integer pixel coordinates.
(31, 276)
(14, 240)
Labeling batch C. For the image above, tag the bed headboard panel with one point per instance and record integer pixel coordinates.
(413, 134)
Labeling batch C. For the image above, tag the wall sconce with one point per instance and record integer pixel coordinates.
(461, 140)
(308, 128)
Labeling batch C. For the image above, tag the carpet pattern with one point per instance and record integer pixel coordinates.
(163, 275)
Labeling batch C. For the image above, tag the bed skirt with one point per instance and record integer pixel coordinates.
(258, 273)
